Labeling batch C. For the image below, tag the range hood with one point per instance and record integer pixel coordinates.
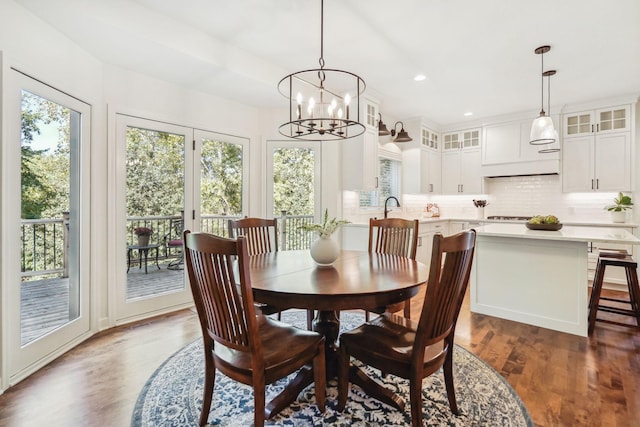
(530, 168)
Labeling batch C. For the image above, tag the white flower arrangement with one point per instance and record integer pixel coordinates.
(328, 226)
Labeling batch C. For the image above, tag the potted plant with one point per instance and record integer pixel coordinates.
(144, 234)
(618, 210)
(324, 250)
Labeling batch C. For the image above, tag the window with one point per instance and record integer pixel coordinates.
(389, 183)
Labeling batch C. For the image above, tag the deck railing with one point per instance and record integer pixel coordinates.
(44, 241)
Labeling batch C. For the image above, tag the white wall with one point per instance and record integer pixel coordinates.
(516, 196)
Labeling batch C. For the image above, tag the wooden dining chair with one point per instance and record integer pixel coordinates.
(262, 238)
(393, 236)
(412, 350)
(261, 234)
(249, 348)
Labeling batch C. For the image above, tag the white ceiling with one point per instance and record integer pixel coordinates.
(477, 55)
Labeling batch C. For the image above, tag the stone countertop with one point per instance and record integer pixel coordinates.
(432, 220)
(567, 233)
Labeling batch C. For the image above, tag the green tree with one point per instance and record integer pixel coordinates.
(40, 194)
(221, 178)
(293, 181)
(155, 173)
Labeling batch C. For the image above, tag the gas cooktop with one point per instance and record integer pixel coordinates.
(509, 218)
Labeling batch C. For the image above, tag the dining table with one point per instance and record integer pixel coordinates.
(356, 280)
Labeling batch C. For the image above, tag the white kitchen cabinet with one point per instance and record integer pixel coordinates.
(600, 121)
(506, 150)
(360, 154)
(355, 237)
(597, 163)
(461, 162)
(421, 160)
(597, 150)
(461, 172)
(460, 140)
(458, 226)
(360, 162)
(425, 239)
(431, 180)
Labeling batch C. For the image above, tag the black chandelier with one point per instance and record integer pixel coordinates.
(324, 103)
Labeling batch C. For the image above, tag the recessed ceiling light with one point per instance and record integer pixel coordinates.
(468, 113)
(420, 77)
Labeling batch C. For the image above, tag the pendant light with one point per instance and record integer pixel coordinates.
(542, 130)
(554, 147)
(324, 104)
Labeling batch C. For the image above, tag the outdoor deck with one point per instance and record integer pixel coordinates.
(45, 303)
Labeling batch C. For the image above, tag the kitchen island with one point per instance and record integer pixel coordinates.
(537, 277)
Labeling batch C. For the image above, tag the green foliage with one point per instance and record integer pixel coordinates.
(221, 178)
(621, 203)
(293, 181)
(41, 188)
(542, 219)
(155, 173)
(328, 226)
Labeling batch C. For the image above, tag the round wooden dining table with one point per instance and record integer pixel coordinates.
(356, 280)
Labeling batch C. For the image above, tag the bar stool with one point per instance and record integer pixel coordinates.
(618, 259)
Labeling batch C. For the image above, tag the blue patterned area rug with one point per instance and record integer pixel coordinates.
(173, 395)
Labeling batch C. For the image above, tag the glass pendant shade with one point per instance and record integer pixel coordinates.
(542, 131)
(554, 147)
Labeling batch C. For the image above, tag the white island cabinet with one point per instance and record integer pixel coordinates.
(537, 277)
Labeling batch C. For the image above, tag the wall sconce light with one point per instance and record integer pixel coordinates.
(403, 136)
(382, 128)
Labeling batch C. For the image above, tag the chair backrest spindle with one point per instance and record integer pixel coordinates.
(393, 236)
(261, 234)
(449, 273)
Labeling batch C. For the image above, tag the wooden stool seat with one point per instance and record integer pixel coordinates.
(615, 259)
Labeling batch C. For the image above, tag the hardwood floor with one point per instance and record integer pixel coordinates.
(564, 380)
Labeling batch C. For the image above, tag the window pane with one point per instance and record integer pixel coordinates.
(50, 142)
(389, 184)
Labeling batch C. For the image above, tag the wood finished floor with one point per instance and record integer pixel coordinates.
(564, 380)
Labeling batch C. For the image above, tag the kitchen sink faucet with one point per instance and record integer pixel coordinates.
(386, 209)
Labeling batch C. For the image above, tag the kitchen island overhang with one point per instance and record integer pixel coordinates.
(537, 277)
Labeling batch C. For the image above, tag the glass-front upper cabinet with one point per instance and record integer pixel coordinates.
(612, 119)
(466, 139)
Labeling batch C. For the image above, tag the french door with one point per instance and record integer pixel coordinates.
(293, 188)
(171, 178)
(153, 198)
(45, 224)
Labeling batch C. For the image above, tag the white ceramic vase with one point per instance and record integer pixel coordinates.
(324, 251)
(620, 216)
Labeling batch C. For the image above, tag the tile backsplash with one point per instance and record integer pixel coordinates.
(517, 196)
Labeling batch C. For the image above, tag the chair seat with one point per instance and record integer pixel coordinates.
(389, 340)
(175, 243)
(294, 344)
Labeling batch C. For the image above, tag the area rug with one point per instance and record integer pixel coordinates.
(172, 396)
